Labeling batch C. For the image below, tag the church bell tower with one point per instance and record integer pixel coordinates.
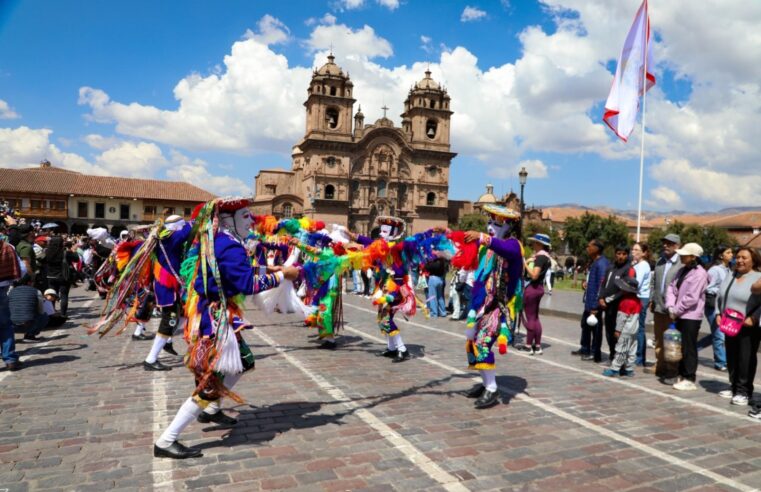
(329, 103)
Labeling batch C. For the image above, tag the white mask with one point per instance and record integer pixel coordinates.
(386, 231)
(238, 223)
(499, 230)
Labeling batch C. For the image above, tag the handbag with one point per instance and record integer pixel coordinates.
(731, 320)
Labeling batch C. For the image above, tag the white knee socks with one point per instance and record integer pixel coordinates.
(391, 343)
(158, 344)
(229, 382)
(139, 329)
(489, 377)
(399, 343)
(187, 413)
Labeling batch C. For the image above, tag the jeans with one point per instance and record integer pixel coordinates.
(454, 299)
(716, 338)
(7, 337)
(585, 344)
(356, 280)
(435, 300)
(641, 336)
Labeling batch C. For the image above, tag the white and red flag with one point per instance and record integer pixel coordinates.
(622, 105)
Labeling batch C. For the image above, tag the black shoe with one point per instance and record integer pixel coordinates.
(580, 352)
(387, 353)
(169, 348)
(328, 345)
(176, 451)
(14, 366)
(487, 400)
(143, 336)
(217, 418)
(32, 339)
(156, 366)
(401, 356)
(476, 391)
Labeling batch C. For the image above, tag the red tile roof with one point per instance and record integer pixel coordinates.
(57, 181)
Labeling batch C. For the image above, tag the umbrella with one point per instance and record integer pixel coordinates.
(50, 225)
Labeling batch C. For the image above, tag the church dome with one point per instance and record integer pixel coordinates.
(427, 82)
(330, 68)
(488, 197)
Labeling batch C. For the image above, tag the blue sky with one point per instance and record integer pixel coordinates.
(92, 85)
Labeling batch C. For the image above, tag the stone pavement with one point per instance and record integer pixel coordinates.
(83, 416)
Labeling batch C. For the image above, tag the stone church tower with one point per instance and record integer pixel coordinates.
(349, 174)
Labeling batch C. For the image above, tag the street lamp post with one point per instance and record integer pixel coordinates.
(522, 177)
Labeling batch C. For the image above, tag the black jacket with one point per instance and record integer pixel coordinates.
(608, 289)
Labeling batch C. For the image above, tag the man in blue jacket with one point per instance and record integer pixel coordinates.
(591, 336)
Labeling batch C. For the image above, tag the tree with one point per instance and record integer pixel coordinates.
(472, 222)
(531, 228)
(610, 230)
(710, 238)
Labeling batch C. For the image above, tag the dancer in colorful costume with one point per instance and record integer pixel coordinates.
(495, 292)
(219, 275)
(167, 288)
(393, 291)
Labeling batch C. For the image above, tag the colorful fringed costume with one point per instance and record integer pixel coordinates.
(218, 274)
(494, 295)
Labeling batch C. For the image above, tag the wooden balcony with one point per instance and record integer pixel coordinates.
(43, 213)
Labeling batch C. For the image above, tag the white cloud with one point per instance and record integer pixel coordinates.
(271, 31)
(100, 142)
(6, 112)
(470, 14)
(195, 171)
(344, 40)
(327, 19)
(535, 168)
(389, 4)
(664, 198)
(426, 44)
(700, 185)
(135, 160)
(356, 4)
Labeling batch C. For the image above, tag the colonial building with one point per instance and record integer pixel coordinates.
(346, 172)
(77, 201)
(510, 200)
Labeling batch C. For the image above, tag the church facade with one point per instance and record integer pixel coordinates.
(348, 173)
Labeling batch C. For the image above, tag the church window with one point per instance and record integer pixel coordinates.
(430, 199)
(331, 162)
(354, 186)
(330, 192)
(430, 129)
(287, 210)
(381, 189)
(271, 189)
(331, 116)
(433, 104)
(332, 90)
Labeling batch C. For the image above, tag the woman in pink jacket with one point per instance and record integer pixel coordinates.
(685, 300)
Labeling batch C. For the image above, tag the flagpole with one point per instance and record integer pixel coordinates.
(644, 112)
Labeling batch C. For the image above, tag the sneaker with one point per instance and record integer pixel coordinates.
(587, 357)
(739, 400)
(629, 373)
(685, 385)
(755, 413)
(538, 351)
(670, 381)
(579, 352)
(526, 348)
(721, 368)
(611, 373)
(726, 394)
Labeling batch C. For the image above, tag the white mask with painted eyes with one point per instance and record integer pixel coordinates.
(499, 230)
(386, 231)
(238, 223)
